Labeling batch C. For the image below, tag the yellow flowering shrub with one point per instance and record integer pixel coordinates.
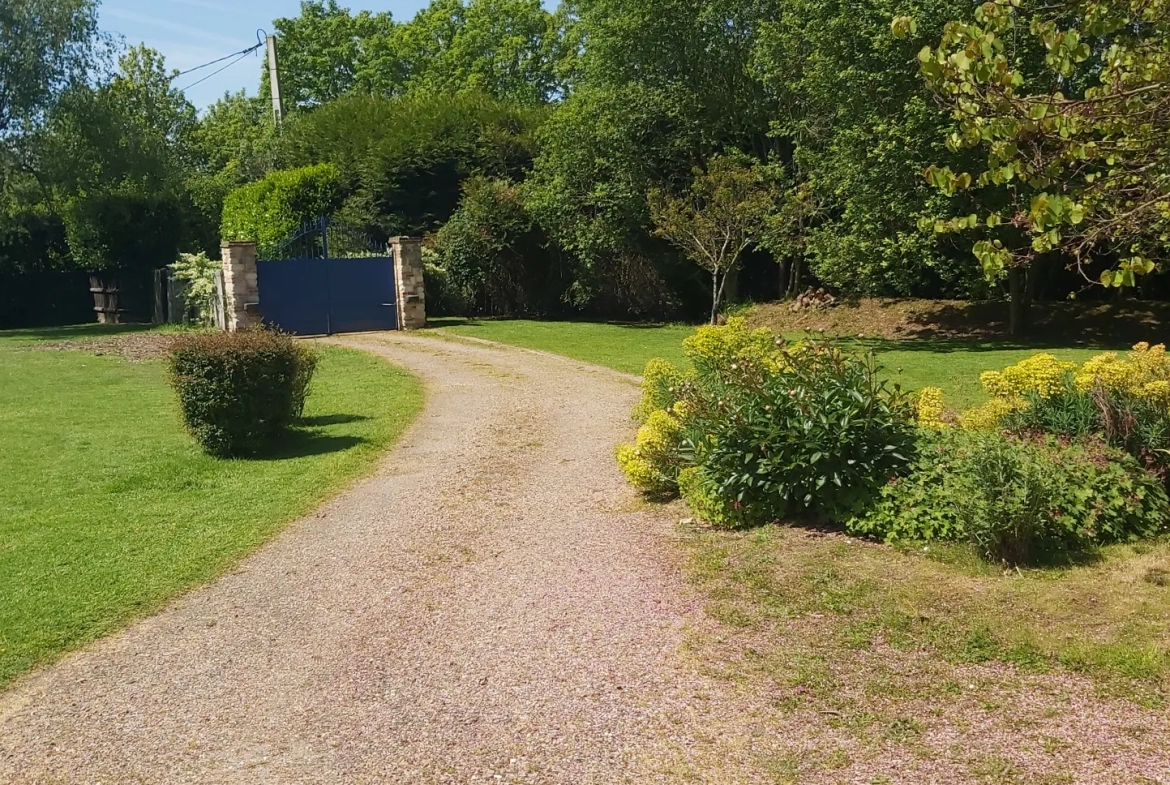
(651, 463)
(1141, 372)
(987, 417)
(660, 383)
(1157, 391)
(930, 409)
(1042, 374)
(725, 345)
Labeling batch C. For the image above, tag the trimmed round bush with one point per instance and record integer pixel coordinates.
(237, 391)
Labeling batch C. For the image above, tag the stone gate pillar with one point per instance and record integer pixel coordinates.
(241, 288)
(408, 279)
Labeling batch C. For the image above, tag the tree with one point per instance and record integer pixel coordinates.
(118, 156)
(494, 256)
(1071, 107)
(403, 160)
(718, 219)
(327, 51)
(858, 127)
(507, 49)
(655, 88)
(45, 46)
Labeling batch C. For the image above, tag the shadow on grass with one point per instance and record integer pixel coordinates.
(302, 444)
(951, 346)
(461, 321)
(73, 331)
(331, 419)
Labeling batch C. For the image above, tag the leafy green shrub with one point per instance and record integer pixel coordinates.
(707, 502)
(810, 430)
(239, 390)
(1018, 500)
(924, 503)
(1011, 512)
(1139, 425)
(771, 430)
(198, 271)
(269, 210)
(494, 255)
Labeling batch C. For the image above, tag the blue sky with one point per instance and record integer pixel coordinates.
(192, 32)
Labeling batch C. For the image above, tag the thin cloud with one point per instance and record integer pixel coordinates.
(225, 9)
(164, 24)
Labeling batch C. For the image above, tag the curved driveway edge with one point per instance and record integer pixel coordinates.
(493, 605)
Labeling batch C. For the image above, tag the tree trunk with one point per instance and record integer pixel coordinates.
(794, 283)
(731, 285)
(714, 298)
(784, 273)
(1020, 292)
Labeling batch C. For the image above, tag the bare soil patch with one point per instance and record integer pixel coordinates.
(133, 347)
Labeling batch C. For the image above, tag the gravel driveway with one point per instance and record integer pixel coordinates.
(492, 606)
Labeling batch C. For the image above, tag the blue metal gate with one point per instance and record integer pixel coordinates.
(327, 279)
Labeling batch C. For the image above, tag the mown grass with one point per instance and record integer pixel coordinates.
(1108, 619)
(953, 366)
(625, 348)
(107, 508)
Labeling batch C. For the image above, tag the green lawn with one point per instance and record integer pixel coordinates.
(953, 366)
(626, 348)
(107, 508)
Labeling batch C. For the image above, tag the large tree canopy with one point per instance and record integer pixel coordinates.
(45, 45)
(508, 49)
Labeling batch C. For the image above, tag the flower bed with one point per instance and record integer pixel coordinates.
(1059, 460)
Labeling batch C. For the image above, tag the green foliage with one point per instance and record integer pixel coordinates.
(493, 255)
(716, 351)
(122, 229)
(115, 155)
(775, 431)
(326, 52)
(1070, 104)
(658, 88)
(44, 48)
(862, 129)
(818, 435)
(198, 272)
(1017, 500)
(653, 462)
(708, 502)
(508, 49)
(235, 143)
(237, 391)
(269, 210)
(403, 161)
(716, 220)
(1138, 425)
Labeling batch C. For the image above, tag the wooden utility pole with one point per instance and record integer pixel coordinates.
(274, 81)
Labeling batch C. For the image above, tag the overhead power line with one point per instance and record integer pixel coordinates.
(261, 40)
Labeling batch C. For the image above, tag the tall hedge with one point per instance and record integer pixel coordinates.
(269, 210)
